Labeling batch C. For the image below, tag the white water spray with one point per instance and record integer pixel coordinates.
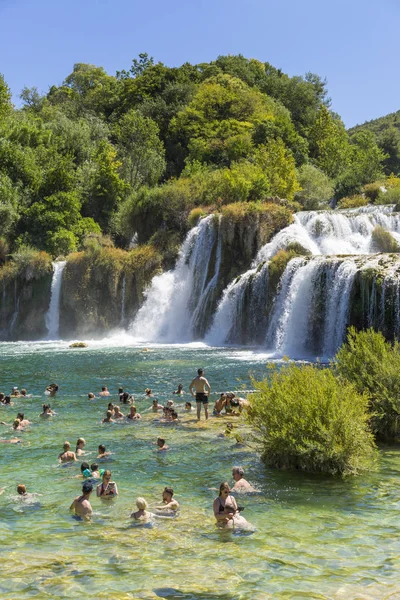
(52, 318)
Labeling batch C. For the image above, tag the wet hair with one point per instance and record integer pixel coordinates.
(120, 390)
(125, 397)
(109, 413)
(90, 395)
(141, 503)
(103, 388)
(133, 408)
(223, 486)
(1, 396)
(94, 467)
(147, 391)
(238, 470)
(102, 448)
(180, 386)
(188, 405)
(67, 446)
(87, 487)
(169, 490)
(16, 423)
(7, 400)
(107, 472)
(23, 392)
(110, 404)
(155, 401)
(84, 466)
(174, 414)
(80, 441)
(21, 488)
(200, 371)
(161, 440)
(20, 416)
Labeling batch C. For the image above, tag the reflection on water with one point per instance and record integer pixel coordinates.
(315, 537)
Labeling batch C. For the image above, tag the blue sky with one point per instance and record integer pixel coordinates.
(353, 43)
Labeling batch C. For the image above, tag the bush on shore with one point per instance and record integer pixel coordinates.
(372, 364)
(305, 418)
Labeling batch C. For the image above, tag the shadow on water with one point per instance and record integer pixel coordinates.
(173, 594)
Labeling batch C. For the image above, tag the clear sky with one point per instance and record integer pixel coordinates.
(353, 43)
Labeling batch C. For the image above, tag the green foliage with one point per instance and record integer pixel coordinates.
(28, 262)
(306, 419)
(372, 365)
(5, 98)
(383, 241)
(373, 191)
(353, 201)
(316, 188)
(279, 262)
(392, 196)
(329, 145)
(195, 216)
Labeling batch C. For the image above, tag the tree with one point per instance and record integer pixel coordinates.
(5, 98)
(329, 145)
(278, 165)
(140, 149)
(316, 188)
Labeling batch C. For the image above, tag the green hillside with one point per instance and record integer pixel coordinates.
(387, 134)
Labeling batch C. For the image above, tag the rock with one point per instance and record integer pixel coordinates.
(78, 345)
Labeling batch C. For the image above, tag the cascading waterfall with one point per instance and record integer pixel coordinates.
(16, 310)
(123, 300)
(176, 303)
(52, 317)
(305, 311)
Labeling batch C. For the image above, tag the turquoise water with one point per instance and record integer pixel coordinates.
(315, 537)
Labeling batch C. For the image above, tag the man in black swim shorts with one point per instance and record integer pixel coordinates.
(202, 388)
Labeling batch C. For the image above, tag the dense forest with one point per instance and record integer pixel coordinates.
(139, 155)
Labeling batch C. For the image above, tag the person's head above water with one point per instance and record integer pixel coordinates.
(21, 489)
(102, 449)
(237, 473)
(200, 372)
(80, 442)
(224, 488)
(66, 446)
(168, 493)
(94, 467)
(20, 416)
(120, 390)
(84, 466)
(90, 395)
(160, 442)
(87, 487)
(141, 503)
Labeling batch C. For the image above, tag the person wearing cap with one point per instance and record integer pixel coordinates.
(81, 505)
(202, 388)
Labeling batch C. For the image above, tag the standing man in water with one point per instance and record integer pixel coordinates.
(81, 505)
(200, 385)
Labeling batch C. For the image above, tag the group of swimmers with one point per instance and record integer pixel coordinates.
(226, 510)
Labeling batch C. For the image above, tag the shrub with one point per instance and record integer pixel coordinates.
(195, 216)
(392, 196)
(278, 264)
(352, 201)
(372, 191)
(372, 364)
(32, 263)
(305, 418)
(4, 249)
(383, 241)
(316, 188)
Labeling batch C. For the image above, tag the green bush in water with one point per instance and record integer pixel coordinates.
(372, 364)
(383, 241)
(305, 418)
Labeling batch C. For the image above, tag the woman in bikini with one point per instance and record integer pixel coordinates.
(226, 510)
(107, 489)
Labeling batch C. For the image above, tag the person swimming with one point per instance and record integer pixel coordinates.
(81, 505)
(102, 453)
(80, 444)
(142, 514)
(107, 489)
(133, 415)
(67, 455)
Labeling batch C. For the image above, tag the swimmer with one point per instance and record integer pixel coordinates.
(126, 398)
(67, 455)
(170, 403)
(110, 407)
(141, 514)
(81, 505)
(120, 393)
(24, 422)
(7, 401)
(148, 392)
(179, 391)
(15, 393)
(51, 390)
(96, 473)
(219, 405)
(91, 396)
(104, 391)
(174, 415)
(17, 425)
(162, 446)
(133, 415)
(23, 393)
(80, 444)
(21, 491)
(241, 484)
(155, 406)
(188, 406)
(47, 412)
(102, 452)
(226, 510)
(108, 418)
(168, 502)
(117, 413)
(11, 441)
(202, 389)
(1, 397)
(107, 489)
(85, 470)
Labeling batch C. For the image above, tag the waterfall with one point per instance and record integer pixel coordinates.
(16, 310)
(123, 296)
(52, 317)
(176, 305)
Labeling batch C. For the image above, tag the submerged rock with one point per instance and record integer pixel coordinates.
(78, 345)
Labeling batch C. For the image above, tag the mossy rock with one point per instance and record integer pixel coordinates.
(78, 345)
